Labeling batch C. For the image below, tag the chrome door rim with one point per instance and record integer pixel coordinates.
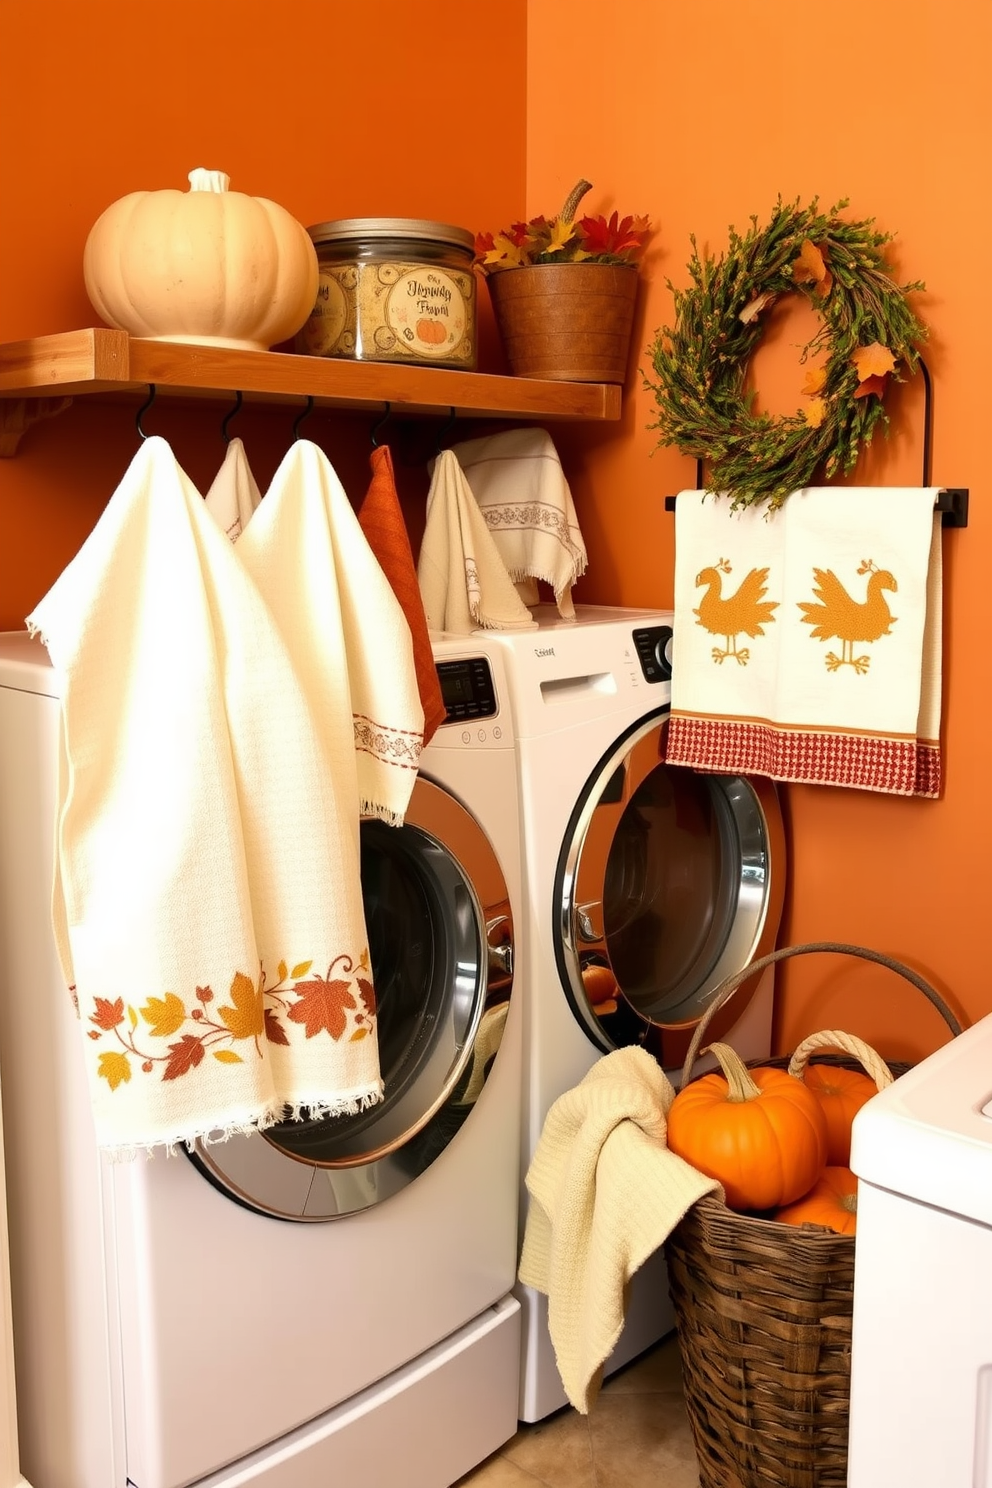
(753, 921)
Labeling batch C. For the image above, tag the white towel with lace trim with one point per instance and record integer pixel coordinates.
(463, 580)
(808, 640)
(344, 628)
(234, 493)
(208, 907)
(517, 479)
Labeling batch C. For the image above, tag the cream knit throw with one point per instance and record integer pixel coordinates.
(208, 906)
(605, 1193)
(343, 626)
(234, 494)
(517, 479)
(463, 580)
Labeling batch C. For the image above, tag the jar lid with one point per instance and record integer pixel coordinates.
(347, 229)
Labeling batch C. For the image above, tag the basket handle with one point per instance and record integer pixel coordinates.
(834, 1038)
(728, 987)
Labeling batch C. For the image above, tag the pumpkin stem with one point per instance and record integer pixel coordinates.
(208, 180)
(567, 213)
(740, 1086)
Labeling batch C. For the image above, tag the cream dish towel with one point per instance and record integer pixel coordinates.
(808, 641)
(344, 628)
(517, 479)
(234, 494)
(605, 1194)
(463, 580)
(207, 905)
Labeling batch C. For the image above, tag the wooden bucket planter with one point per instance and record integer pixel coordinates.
(568, 322)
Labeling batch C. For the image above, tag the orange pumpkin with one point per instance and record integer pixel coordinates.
(759, 1132)
(832, 1202)
(432, 332)
(841, 1092)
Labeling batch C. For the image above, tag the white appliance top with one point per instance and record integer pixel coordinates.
(26, 665)
(566, 673)
(928, 1136)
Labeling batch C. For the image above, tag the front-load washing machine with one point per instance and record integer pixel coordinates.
(330, 1301)
(645, 886)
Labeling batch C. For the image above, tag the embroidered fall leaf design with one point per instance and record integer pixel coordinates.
(183, 1056)
(322, 1006)
(245, 1019)
(164, 1015)
(108, 1014)
(811, 268)
(274, 1031)
(114, 1068)
(366, 992)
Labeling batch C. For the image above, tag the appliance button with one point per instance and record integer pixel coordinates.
(482, 736)
(497, 732)
(466, 737)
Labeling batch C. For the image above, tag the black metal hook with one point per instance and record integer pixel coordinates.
(144, 409)
(301, 416)
(238, 400)
(378, 425)
(446, 429)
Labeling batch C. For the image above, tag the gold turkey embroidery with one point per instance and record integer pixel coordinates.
(839, 617)
(745, 612)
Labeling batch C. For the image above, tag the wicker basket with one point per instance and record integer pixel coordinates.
(763, 1313)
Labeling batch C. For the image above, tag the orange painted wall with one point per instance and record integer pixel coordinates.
(701, 115)
(331, 109)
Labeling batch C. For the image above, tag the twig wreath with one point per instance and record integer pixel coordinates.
(868, 331)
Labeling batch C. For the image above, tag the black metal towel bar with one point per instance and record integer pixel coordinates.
(951, 502)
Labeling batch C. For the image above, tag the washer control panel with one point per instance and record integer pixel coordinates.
(654, 651)
(467, 689)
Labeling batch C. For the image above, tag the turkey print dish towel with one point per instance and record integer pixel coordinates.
(807, 641)
(207, 907)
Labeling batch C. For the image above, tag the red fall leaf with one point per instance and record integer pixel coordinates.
(108, 1014)
(322, 1005)
(183, 1056)
(366, 992)
(274, 1031)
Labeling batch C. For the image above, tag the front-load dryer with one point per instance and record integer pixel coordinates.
(645, 886)
(327, 1302)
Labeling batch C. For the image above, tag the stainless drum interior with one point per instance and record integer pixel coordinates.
(441, 946)
(668, 881)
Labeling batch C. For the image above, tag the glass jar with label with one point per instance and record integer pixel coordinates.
(393, 289)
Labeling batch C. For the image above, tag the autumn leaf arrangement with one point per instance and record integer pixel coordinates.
(564, 239)
(868, 338)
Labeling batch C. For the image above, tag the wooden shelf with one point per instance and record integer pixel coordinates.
(38, 377)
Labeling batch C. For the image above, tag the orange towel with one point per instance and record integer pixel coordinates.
(382, 522)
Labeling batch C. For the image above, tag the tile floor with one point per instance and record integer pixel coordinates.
(635, 1436)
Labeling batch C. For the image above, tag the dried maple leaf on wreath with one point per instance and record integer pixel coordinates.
(870, 385)
(816, 378)
(322, 1006)
(875, 360)
(811, 268)
(815, 413)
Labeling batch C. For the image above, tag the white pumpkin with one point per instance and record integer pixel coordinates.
(208, 265)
